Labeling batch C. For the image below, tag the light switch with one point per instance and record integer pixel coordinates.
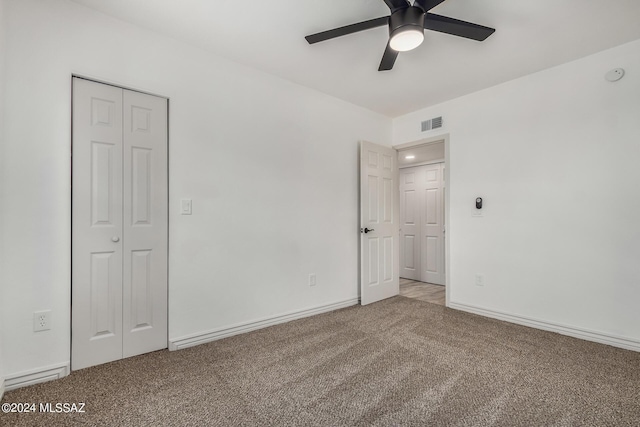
(185, 206)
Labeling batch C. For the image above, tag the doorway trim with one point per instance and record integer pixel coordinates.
(429, 141)
(129, 88)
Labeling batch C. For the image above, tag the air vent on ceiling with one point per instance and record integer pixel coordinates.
(430, 124)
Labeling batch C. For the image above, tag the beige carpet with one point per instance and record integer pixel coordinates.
(400, 362)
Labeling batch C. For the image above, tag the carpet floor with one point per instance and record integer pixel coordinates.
(399, 362)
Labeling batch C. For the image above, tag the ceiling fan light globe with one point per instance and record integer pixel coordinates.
(402, 41)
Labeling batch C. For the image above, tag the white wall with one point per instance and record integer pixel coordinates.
(270, 166)
(555, 156)
(2, 267)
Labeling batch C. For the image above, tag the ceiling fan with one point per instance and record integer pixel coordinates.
(406, 28)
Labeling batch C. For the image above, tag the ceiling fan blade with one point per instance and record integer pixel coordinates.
(456, 27)
(388, 59)
(347, 29)
(397, 4)
(427, 5)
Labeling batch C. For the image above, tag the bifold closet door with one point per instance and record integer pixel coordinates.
(409, 224)
(119, 224)
(422, 223)
(145, 224)
(432, 227)
(96, 261)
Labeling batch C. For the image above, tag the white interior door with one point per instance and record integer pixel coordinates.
(409, 224)
(378, 223)
(96, 224)
(422, 224)
(145, 224)
(119, 223)
(432, 247)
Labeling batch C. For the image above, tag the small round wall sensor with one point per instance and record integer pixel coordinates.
(614, 75)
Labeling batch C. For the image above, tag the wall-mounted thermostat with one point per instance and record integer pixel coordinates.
(478, 210)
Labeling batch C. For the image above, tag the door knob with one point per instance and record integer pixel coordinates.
(115, 239)
(366, 230)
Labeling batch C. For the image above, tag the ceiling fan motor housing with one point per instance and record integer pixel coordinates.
(410, 18)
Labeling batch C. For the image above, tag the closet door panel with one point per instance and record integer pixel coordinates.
(145, 223)
(96, 273)
(119, 223)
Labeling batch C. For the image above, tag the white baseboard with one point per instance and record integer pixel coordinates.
(585, 334)
(1, 388)
(35, 376)
(216, 334)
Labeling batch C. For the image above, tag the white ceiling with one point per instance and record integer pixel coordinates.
(530, 35)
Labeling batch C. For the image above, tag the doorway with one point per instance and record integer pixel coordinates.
(422, 247)
(119, 223)
(379, 199)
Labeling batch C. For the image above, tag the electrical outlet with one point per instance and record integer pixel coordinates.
(41, 320)
(479, 279)
(312, 279)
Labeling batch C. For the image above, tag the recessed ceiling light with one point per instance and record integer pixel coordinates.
(409, 157)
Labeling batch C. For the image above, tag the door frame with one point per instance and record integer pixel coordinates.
(447, 195)
(125, 87)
